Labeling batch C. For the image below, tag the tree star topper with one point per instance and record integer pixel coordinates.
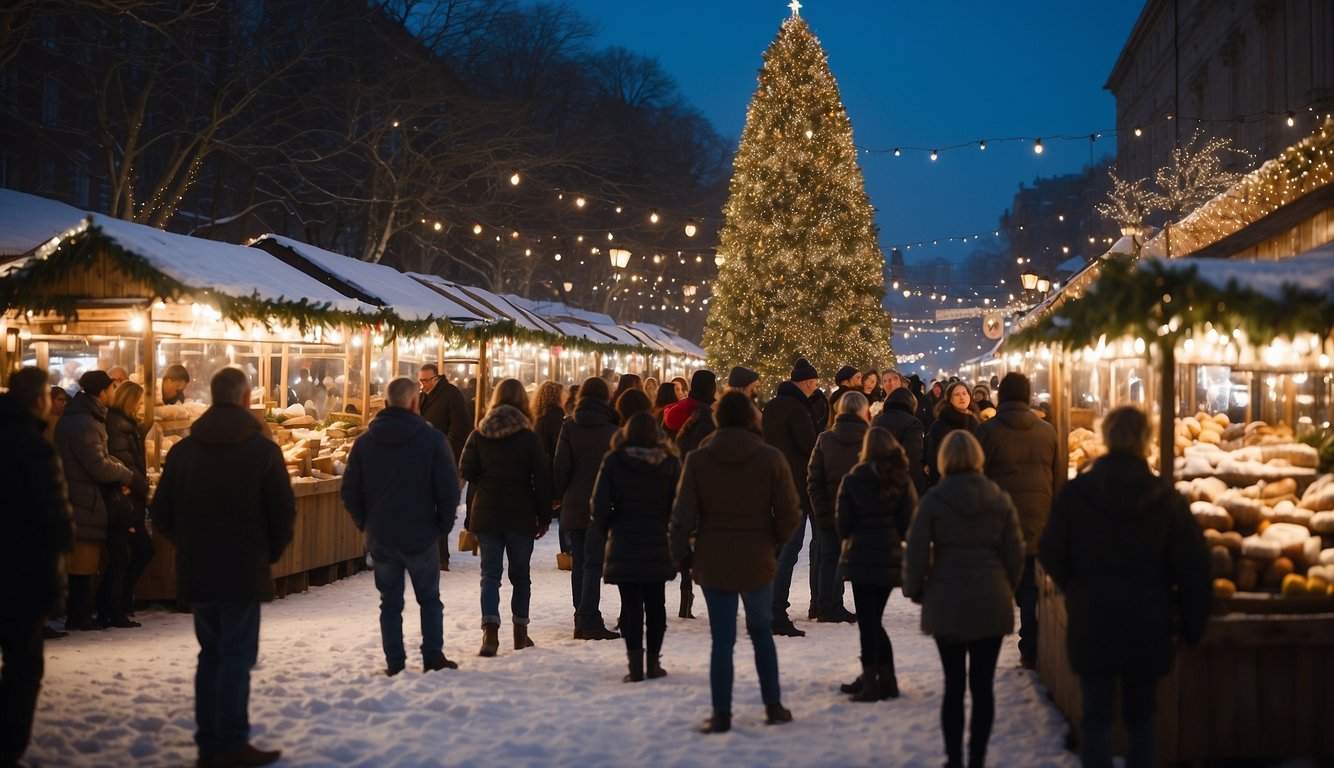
(795, 5)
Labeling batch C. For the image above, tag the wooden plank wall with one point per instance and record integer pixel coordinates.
(1256, 688)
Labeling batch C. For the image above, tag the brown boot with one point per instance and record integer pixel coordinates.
(654, 669)
(490, 640)
(521, 638)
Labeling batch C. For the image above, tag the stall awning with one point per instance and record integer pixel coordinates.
(593, 326)
(668, 339)
(495, 309)
(375, 283)
(27, 221)
(1312, 271)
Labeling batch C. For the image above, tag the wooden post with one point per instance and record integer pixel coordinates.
(265, 372)
(393, 359)
(282, 385)
(1060, 403)
(1167, 408)
(483, 381)
(150, 366)
(366, 375)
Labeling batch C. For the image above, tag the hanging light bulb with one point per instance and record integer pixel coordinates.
(653, 217)
(477, 229)
(1292, 119)
(897, 152)
(982, 145)
(438, 226)
(934, 154)
(1139, 131)
(514, 180)
(691, 229)
(580, 202)
(1037, 146)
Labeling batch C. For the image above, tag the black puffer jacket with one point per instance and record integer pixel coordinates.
(1131, 561)
(447, 411)
(401, 486)
(36, 516)
(900, 418)
(632, 502)
(949, 420)
(836, 451)
(126, 443)
(548, 427)
(873, 527)
(1025, 458)
(789, 425)
(509, 482)
(226, 502)
(583, 442)
(81, 438)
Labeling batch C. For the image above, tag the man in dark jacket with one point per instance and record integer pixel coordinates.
(402, 489)
(1025, 458)
(788, 425)
(443, 406)
(81, 439)
(225, 501)
(836, 452)
(38, 530)
(848, 379)
(899, 417)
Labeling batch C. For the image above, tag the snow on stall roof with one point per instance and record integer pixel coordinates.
(1309, 271)
(494, 307)
(406, 297)
(232, 270)
(562, 314)
(27, 221)
(660, 335)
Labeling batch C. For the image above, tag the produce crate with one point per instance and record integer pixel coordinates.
(1255, 688)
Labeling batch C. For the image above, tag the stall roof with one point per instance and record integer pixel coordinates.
(1311, 271)
(27, 221)
(562, 314)
(670, 339)
(381, 284)
(492, 307)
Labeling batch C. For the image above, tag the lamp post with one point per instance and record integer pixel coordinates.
(620, 257)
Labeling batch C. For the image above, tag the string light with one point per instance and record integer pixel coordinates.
(477, 229)
(514, 180)
(580, 202)
(691, 228)
(653, 217)
(1037, 147)
(934, 155)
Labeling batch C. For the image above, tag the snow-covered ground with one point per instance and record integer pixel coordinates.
(125, 697)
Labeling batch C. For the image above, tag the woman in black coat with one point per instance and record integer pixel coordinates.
(1134, 567)
(875, 505)
(632, 504)
(952, 412)
(583, 442)
(509, 506)
(549, 410)
(129, 545)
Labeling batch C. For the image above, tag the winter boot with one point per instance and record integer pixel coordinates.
(870, 684)
(636, 657)
(718, 722)
(855, 686)
(438, 662)
(783, 626)
(521, 638)
(977, 759)
(490, 640)
(599, 632)
(776, 714)
(889, 682)
(655, 669)
(687, 602)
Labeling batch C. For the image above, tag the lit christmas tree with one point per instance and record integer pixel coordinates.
(802, 272)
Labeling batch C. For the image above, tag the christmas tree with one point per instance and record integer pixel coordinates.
(802, 273)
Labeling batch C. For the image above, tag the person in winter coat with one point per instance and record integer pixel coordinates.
(848, 379)
(899, 418)
(509, 506)
(59, 399)
(39, 531)
(225, 501)
(625, 383)
(1134, 568)
(871, 387)
(632, 502)
(402, 490)
(549, 409)
(630, 402)
(965, 554)
(952, 413)
(789, 424)
(876, 501)
(442, 404)
(129, 545)
(737, 499)
(982, 398)
(665, 399)
(583, 442)
(1025, 458)
(835, 453)
(81, 438)
(688, 420)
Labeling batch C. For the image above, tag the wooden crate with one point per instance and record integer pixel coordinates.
(1255, 688)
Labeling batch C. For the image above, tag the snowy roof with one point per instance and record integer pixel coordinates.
(578, 322)
(669, 339)
(27, 221)
(1310, 271)
(492, 307)
(406, 297)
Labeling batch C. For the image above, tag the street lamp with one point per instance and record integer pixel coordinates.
(1043, 285)
(688, 290)
(620, 257)
(1029, 280)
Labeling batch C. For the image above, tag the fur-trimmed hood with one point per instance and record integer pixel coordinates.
(655, 455)
(502, 421)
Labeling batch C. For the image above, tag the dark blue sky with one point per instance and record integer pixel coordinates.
(911, 74)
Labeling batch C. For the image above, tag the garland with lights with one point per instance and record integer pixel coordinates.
(802, 270)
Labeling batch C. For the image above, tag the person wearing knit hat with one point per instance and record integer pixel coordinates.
(848, 379)
(95, 382)
(744, 380)
(804, 371)
(703, 388)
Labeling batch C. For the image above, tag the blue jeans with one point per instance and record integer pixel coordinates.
(495, 547)
(722, 625)
(1139, 694)
(787, 560)
(828, 587)
(588, 613)
(423, 568)
(228, 636)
